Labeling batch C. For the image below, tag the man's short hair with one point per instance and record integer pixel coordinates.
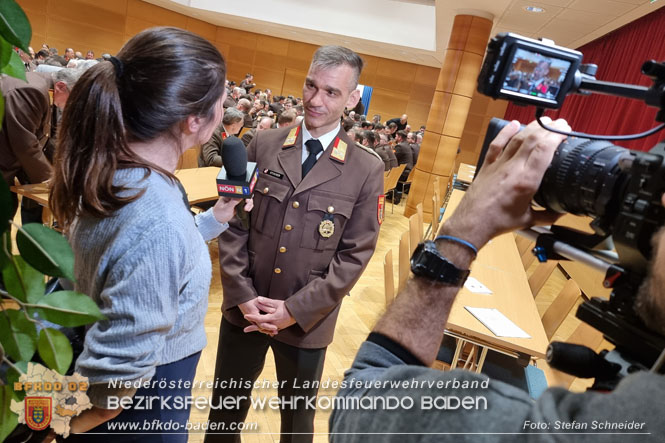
(244, 104)
(379, 127)
(327, 57)
(43, 53)
(262, 119)
(286, 117)
(392, 125)
(402, 134)
(71, 76)
(370, 137)
(232, 115)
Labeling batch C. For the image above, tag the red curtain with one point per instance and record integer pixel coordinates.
(619, 56)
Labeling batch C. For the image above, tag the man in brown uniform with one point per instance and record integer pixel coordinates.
(26, 129)
(314, 226)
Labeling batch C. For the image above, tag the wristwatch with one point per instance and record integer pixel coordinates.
(428, 262)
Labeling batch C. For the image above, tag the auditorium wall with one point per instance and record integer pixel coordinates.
(276, 63)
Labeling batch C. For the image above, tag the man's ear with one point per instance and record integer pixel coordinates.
(60, 87)
(353, 99)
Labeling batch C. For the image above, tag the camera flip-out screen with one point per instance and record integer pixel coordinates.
(535, 75)
(528, 71)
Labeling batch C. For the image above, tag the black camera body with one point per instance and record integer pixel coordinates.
(619, 189)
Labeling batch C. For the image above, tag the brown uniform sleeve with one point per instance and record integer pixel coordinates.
(234, 258)
(25, 111)
(211, 151)
(353, 253)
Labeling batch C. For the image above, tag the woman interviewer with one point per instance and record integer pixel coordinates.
(140, 254)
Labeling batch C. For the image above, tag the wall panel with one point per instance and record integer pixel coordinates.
(278, 64)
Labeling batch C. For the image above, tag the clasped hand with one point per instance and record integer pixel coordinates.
(276, 317)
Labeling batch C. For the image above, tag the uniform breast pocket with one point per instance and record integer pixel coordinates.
(326, 217)
(268, 197)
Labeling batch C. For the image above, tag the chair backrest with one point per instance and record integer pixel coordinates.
(409, 179)
(190, 158)
(404, 258)
(435, 216)
(393, 177)
(558, 310)
(421, 221)
(540, 275)
(414, 232)
(388, 277)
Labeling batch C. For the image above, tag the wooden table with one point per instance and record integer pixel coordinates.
(199, 183)
(499, 267)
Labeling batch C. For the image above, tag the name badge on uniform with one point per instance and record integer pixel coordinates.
(339, 150)
(273, 173)
(327, 226)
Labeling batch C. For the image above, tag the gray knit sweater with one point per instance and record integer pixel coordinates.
(148, 269)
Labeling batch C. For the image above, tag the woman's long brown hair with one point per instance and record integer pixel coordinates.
(161, 76)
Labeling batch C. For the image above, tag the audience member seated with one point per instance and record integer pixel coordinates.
(263, 124)
(211, 151)
(245, 106)
(286, 118)
(384, 145)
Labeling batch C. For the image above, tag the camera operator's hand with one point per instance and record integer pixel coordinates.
(499, 200)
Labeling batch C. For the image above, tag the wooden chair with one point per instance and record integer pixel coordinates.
(560, 307)
(190, 158)
(404, 265)
(541, 274)
(390, 183)
(414, 233)
(388, 277)
(421, 221)
(434, 226)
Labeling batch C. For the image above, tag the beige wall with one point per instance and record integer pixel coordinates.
(279, 64)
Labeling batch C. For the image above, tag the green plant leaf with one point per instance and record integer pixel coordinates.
(46, 250)
(18, 335)
(8, 420)
(27, 285)
(55, 350)
(15, 67)
(69, 308)
(5, 199)
(14, 24)
(2, 111)
(13, 376)
(6, 50)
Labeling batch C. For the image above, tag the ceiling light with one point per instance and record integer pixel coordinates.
(535, 9)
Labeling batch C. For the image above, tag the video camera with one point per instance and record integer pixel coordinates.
(618, 188)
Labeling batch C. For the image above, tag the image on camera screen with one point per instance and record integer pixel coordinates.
(536, 75)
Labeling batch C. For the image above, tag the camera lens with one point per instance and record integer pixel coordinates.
(583, 177)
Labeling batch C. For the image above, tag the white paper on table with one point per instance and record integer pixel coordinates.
(476, 287)
(499, 324)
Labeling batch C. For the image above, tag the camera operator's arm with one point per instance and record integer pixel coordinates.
(498, 201)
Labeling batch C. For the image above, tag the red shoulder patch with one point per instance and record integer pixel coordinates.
(380, 208)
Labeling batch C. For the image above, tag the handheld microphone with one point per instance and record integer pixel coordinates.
(237, 177)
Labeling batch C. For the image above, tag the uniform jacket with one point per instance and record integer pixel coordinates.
(284, 256)
(26, 128)
(211, 151)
